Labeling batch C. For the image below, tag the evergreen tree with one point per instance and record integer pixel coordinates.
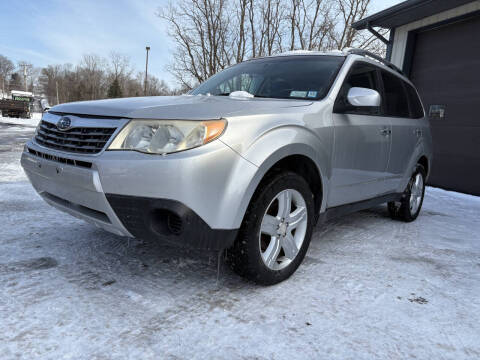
(114, 90)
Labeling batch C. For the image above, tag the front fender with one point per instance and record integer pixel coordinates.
(275, 145)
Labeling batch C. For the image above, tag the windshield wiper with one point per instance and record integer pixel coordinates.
(265, 96)
(276, 97)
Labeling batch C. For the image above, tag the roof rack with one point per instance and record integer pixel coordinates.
(366, 53)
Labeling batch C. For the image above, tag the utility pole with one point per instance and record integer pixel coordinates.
(56, 88)
(25, 77)
(146, 72)
(25, 66)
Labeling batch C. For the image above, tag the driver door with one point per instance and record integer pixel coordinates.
(362, 137)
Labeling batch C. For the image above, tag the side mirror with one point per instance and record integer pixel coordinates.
(360, 97)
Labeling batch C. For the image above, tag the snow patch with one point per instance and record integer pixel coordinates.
(33, 122)
(12, 172)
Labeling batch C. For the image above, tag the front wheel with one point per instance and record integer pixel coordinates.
(412, 199)
(276, 230)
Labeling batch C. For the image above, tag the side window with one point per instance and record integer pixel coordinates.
(361, 75)
(416, 109)
(396, 100)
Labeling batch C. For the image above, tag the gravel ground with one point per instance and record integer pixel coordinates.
(369, 288)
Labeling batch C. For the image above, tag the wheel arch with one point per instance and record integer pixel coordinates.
(306, 168)
(423, 160)
(298, 158)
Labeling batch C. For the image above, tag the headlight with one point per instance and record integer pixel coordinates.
(166, 136)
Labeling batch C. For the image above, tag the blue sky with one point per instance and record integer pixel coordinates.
(59, 31)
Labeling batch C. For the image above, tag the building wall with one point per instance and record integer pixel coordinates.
(401, 33)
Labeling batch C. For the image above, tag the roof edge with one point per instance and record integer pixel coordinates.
(406, 12)
(393, 10)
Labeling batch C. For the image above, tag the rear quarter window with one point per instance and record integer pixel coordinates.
(416, 108)
(396, 100)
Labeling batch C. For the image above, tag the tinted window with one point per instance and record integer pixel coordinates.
(360, 75)
(286, 77)
(396, 101)
(416, 109)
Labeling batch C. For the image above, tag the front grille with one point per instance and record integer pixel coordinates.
(84, 140)
(60, 159)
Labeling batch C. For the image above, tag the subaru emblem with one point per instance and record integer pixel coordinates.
(64, 123)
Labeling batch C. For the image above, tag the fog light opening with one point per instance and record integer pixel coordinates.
(166, 222)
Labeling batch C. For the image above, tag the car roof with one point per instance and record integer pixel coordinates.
(310, 52)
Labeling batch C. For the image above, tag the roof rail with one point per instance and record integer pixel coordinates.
(366, 53)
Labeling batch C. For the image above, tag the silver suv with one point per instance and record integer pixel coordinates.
(249, 161)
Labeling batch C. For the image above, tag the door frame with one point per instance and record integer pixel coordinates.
(381, 114)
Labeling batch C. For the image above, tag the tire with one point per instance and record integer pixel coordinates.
(412, 199)
(269, 249)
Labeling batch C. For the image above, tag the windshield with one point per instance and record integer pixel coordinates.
(289, 77)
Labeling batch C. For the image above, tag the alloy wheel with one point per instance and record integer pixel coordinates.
(283, 229)
(416, 193)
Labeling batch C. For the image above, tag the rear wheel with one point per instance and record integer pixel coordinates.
(408, 208)
(276, 230)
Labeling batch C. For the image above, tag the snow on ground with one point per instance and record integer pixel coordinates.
(33, 121)
(369, 288)
(13, 136)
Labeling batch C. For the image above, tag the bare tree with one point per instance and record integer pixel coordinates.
(157, 87)
(119, 65)
(118, 72)
(93, 78)
(199, 29)
(241, 35)
(349, 11)
(311, 24)
(6, 69)
(62, 80)
(92, 68)
(272, 15)
(212, 34)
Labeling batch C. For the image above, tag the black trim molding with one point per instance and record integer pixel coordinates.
(339, 211)
(169, 221)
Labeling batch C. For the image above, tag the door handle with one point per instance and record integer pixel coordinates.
(386, 132)
(418, 132)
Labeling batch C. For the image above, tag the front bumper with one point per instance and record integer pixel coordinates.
(188, 199)
(76, 190)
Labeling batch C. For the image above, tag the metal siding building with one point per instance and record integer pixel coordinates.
(437, 44)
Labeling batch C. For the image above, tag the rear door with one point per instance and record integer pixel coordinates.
(406, 133)
(361, 142)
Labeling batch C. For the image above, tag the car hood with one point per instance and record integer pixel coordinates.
(184, 107)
